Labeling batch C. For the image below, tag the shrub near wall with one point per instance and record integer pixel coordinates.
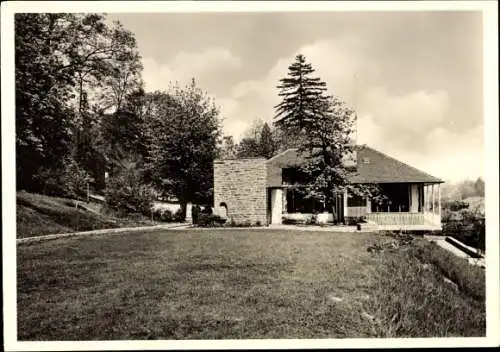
(126, 194)
(468, 228)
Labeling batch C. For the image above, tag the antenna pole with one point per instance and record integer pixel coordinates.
(355, 110)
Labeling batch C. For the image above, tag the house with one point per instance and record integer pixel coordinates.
(264, 191)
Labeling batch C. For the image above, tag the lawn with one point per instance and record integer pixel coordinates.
(37, 215)
(235, 284)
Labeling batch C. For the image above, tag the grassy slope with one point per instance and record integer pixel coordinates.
(240, 284)
(37, 215)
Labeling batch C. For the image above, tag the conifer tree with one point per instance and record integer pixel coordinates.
(267, 143)
(321, 125)
(302, 98)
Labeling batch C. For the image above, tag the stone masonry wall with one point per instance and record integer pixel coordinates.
(242, 185)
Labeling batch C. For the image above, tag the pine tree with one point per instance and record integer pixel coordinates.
(267, 143)
(302, 98)
(322, 125)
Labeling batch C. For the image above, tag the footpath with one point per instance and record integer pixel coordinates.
(114, 231)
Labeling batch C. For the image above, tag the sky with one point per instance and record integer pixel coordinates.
(415, 78)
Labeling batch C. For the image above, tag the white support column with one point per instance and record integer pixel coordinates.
(345, 204)
(426, 197)
(368, 205)
(439, 201)
(189, 212)
(424, 202)
(276, 206)
(414, 198)
(284, 207)
(433, 200)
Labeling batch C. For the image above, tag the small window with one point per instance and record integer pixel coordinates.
(366, 160)
(356, 201)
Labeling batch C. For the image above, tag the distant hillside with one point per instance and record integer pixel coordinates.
(37, 215)
(476, 204)
(461, 190)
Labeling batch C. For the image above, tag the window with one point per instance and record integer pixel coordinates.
(398, 198)
(356, 201)
(296, 202)
(293, 176)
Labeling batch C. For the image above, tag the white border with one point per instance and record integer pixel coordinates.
(490, 35)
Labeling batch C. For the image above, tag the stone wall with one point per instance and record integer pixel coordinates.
(241, 184)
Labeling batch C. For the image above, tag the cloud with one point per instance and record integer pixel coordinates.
(212, 60)
(335, 61)
(449, 155)
(204, 66)
(416, 111)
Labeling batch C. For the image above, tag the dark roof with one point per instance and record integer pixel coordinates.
(381, 168)
(372, 166)
(288, 158)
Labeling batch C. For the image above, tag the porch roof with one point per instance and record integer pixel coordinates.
(372, 166)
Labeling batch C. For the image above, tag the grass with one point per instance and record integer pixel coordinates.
(470, 279)
(37, 215)
(234, 284)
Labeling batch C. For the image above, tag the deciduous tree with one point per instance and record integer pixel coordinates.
(183, 131)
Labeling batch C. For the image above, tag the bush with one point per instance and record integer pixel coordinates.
(126, 194)
(469, 229)
(354, 220)
(209, 220)
(75, 179)
(49, 181)
(456, 205)
(163, 215)
(180, 215)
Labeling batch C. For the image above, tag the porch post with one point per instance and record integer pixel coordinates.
(276, 206)
(433, 200)
(439, 201)
(427, 207)
(414, 201)
(284, 201)
(345, 204)
(189, 212)
(368, 205)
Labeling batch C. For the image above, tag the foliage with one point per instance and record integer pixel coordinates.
(261, 143)
(246, 223)
(70, 68)
(75, 179)
(228, 148)
(268, 145)
(209, 220)
(182, 134)
(355, 220)
(455, 205)
(302, 95)
(43, 121)
(122, 132)
(126, 194)
(248, 148)
(469, 229)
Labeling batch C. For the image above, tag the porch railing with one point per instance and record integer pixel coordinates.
(396, 218)
(425, 218)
